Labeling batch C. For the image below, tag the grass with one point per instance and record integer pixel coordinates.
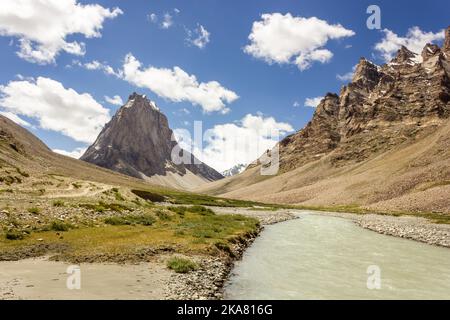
(181, 265)
(58, 203)
(144, 220)
(14, 235)
(435, 217)
(150, 196)
(34, 210)
(103, 206)
(60, 226)
(181, 210)
(128, 235)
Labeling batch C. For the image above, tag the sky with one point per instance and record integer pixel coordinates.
(250, 71)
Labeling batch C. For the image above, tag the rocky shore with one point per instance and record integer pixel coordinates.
(408, 227)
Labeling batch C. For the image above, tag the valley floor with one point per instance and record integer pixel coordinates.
(39, 278)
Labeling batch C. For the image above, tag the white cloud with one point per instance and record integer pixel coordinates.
(55, 108)
(96, 65)
(232, 143)
(167, 21)
(43, 26)
(415, 40)
(347, 76)
(199, 37)
(116, 100)
(177, 85)
(15, 118)
(312, 102)
(296, 104)
(76, 153)
(176, 10)
(153, 17)
(285, 39)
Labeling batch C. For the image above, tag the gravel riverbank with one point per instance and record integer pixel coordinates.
(408, 227)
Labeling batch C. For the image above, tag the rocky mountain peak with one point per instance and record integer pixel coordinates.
(136, 99)
(404, 55)
(139, 142)
(430, 50)
(366, 70)
(446, 46)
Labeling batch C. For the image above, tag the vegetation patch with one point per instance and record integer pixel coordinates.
(60, 226)
(58, 203)
(14, 235)
(34, 210)
(103, 206)
(145, 220)
(150, 196)
(182, 265)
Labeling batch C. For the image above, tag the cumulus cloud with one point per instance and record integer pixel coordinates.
(285, 39)
(177, 85)
(233, 143)
(415, 40)
(96, 65)
(55, 108)
(43, 26)
(199, 37)
(153, 17)
(347, 76)
(76, 153)
(312, 102)
(15, 118)
(116, 100)
(167, 21)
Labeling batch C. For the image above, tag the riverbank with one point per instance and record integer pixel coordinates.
(408, 227)
(148, 276)
(208, 281)
(151, 279)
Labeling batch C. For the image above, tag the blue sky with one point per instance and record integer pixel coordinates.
(265, 88)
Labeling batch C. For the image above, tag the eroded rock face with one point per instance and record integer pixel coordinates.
(380, 108)
(138, 142)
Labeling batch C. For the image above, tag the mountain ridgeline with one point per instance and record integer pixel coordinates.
(138, 142)
(383, 142)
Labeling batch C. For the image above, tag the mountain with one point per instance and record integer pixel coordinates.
(382, 143)
(27, 162)
(138, 142)
(234, 170)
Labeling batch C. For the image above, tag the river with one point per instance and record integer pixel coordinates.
(323, 257)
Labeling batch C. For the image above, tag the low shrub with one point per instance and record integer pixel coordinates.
(151, 196)
(181, 265)
(145, 220)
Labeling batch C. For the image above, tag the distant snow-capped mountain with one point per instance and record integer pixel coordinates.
(234, 170)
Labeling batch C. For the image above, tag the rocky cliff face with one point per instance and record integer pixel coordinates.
(380, 108)
(138, 142)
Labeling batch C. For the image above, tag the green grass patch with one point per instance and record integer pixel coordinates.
(60, 226)
(144, 220)
(150, 196)
(14, 235)
(181, 265)
(34, 210)
(125, 238)
(58, 203)
(103, 206)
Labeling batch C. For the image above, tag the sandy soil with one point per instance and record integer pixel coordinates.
(42, 279)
